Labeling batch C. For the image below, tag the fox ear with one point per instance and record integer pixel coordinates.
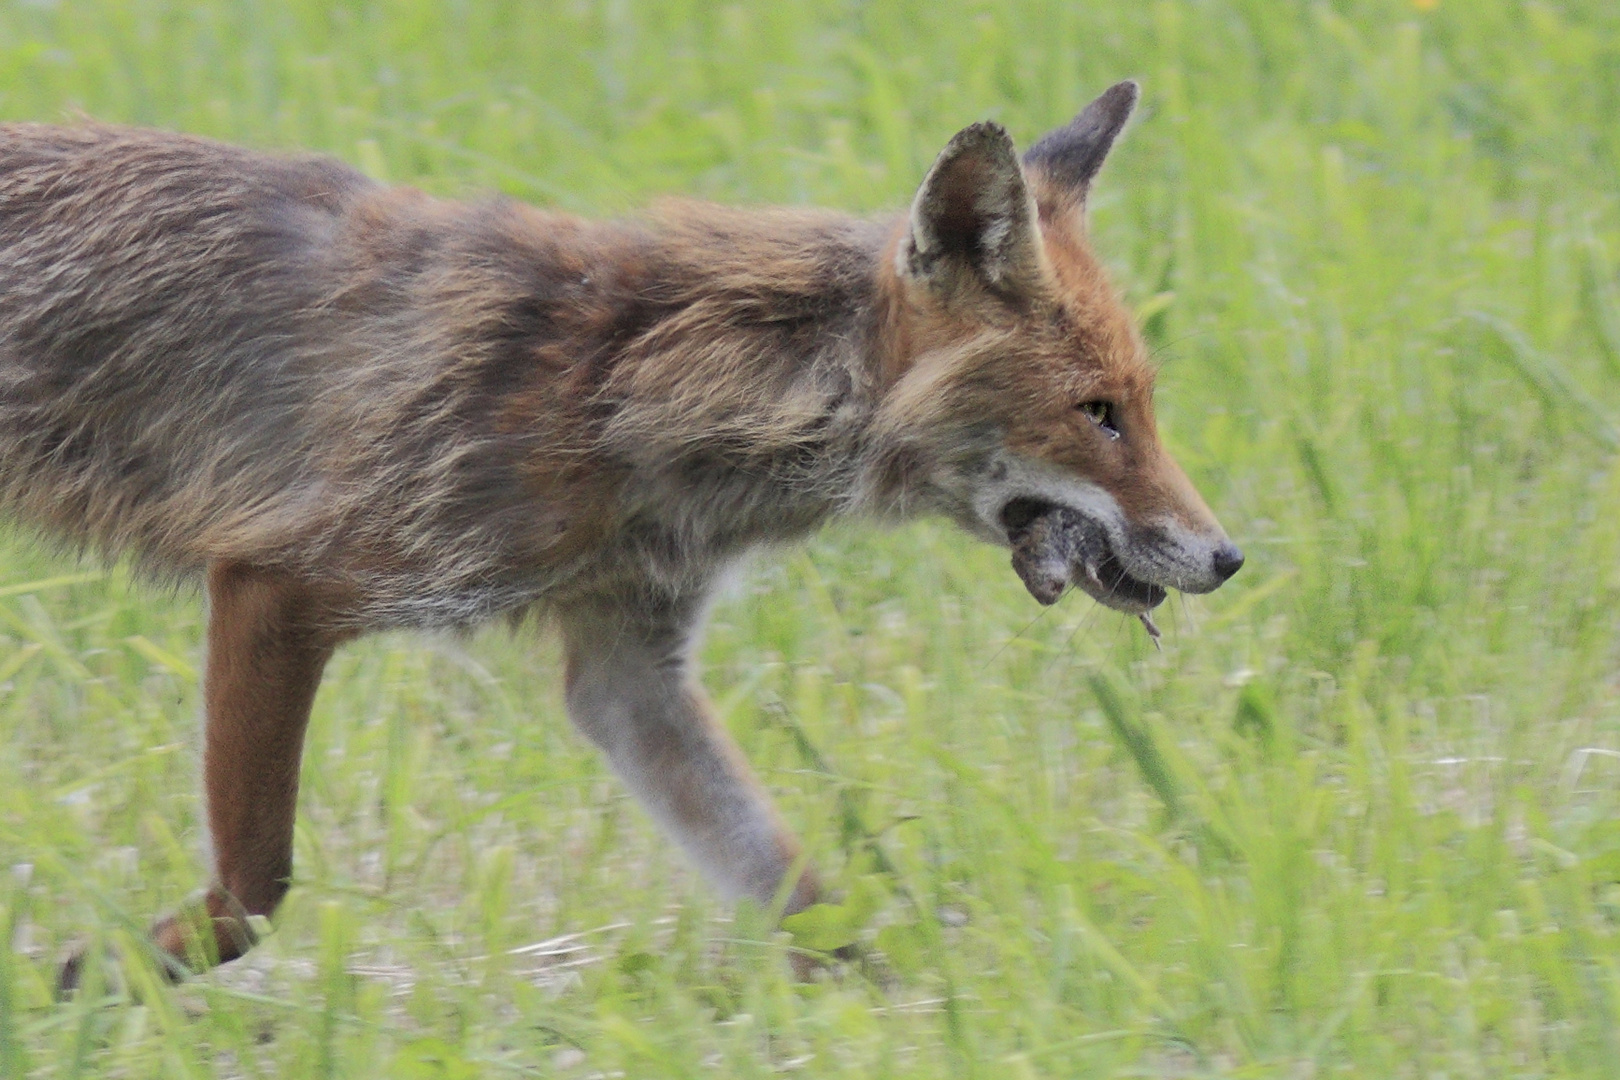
(1069, 157)
(973, 216)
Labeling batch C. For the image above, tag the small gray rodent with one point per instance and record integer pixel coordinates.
(1052, 548)
(1057, 547)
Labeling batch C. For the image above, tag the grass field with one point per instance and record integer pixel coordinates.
(1361, 816)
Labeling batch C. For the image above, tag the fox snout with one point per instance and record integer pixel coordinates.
(1071, 531)
(1185, 547)
(1192, 564)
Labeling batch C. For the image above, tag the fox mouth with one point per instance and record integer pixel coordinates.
(1055, 547)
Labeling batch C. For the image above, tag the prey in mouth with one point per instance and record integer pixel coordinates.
(1055, 547)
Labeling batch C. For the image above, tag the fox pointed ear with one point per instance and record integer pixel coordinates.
(1069, 157)
(973, 217)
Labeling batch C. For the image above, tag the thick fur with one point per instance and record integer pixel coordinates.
(357, 407)
(447, 410)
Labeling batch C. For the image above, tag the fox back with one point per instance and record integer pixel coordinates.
(449, 409)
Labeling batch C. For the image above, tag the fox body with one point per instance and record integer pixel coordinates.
(349, 407)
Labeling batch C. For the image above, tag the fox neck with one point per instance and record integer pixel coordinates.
(746, 405)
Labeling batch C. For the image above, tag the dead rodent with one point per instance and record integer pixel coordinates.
(1059, 547)
(1053, 548)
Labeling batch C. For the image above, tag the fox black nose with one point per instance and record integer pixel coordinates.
(1228, 560)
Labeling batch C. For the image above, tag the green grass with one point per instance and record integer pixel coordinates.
(1360, 818)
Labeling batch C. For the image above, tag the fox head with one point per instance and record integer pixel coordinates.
(1019, 383)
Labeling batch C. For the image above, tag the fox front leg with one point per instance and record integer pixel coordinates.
(631, 690)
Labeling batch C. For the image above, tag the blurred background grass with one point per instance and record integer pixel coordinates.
(1359, 818)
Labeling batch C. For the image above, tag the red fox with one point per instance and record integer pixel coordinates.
(347, 407)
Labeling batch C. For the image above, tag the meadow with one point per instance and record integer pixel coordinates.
(1360, 816)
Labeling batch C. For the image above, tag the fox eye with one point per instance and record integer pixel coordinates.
(1101, 413)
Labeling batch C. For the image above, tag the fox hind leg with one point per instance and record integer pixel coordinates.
(269, 638)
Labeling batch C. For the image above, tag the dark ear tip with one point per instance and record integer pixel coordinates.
(984, 134)
(1126, 93)
(1073, 153)
(1114, 105)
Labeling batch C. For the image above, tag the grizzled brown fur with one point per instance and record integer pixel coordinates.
(446, 411)
(350, 407)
